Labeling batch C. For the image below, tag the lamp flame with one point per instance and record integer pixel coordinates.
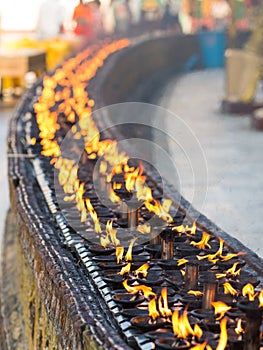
(119, 254)
(239, 329)
(125, 270)
(128, 256)
(228, 289)
(203, 243)
(223, 335)
(248, 290)
(220, 309)
(142, 270)
(163, 304)
(153, 313)
(181, 325)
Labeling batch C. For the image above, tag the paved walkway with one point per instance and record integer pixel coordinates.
(233, 151)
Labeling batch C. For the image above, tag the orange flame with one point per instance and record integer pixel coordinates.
(128, 256)
(203, 243)
(180, 229)
(147, 291)
(163, 304)
(231, 255)
(260, 298)
(144, 228)
(113, 197)
(220, 308)
(196, 293)
(119, 254)
(182, 262)
(142, 270)
(181, 325)
(155, 207)
(228, 289)
(223, 335)
(112, 232)
(213, 257)
(233, 271)
(103, 167)
(193, 228)
(126, 269)
(197, 331)
(248, 290)
(239, 329)
(104, 241)
(153, 313)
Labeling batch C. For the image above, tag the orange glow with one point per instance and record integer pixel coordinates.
(125, 270)
(112, 232)
(220, 309)
(144, 228)
(239, 329)
(128, 256)
(147, 291)
(153, 313)
(182, 262)
(155, 207)
(223, 335)
(213, 257)
(203, 243)
(143, 270)
(163, 304)
(260, 298)
(228, 289)
(104, 241)
(119, 254)
(103, 167)
(130, 179)
(181, 325)
(197, 331)
(231, 255)
(196, 293)
(193, 228)
(248, 290)
(180, 229)
(113, 197)
(232, 271)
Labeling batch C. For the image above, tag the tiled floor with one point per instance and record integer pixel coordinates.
(233, 152)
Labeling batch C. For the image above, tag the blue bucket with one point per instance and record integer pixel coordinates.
(212, 46)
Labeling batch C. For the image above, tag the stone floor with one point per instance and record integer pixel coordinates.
(233, 153)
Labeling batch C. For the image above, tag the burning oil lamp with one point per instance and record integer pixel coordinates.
(167, 237)
(152, 321)
(253, 309)
(210, 286)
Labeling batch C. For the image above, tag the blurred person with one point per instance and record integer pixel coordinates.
(135, 9)
(122, 16)
(220, 11)
(83, 19)
(170, 19)
(97, 18)
(50, 19)
(151, 10)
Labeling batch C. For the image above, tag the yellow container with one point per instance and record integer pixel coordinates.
(243, 70)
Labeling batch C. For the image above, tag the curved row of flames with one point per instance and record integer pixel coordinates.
(66, 92)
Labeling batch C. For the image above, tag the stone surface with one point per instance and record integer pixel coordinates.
(233, 151)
